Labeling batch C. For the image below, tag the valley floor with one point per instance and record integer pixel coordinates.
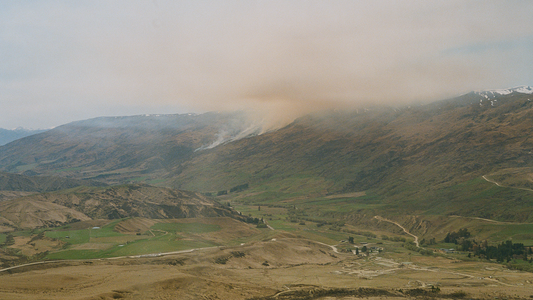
(283, 267)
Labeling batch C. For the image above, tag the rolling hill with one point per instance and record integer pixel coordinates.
(17, 182)
(91, 203)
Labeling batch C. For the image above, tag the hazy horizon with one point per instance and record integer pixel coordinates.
(67, 61)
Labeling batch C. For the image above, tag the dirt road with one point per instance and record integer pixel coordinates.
(496, 183)
(397, 224)
(109, 258)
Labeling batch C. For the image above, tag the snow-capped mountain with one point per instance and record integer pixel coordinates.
(524, 89)
(490, 95)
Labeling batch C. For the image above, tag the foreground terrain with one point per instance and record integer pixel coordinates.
(225, 258)
(282, 267)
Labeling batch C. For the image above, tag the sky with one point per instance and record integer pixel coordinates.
(62, 61)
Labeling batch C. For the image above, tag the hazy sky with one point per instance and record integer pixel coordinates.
(62, 61)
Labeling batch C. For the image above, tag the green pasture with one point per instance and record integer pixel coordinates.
(154, 245)
(283, 225)
(326, 236)
(75, 254)
(73, 237)
(518, 233)
(82, 236)
(168, 237)
(159, 244)
(194, 228)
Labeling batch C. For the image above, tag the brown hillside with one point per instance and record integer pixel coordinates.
(85, 203)
(28, 213)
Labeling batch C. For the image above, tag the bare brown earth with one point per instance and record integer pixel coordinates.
(85, 203)
(34, 214)
(31, 246)
(279, 268)
(134, 225)
(231, 229)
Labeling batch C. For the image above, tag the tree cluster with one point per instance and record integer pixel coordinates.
(251, 220)
(506, 251)
(431, 241)
(454, 237)
(239, 188)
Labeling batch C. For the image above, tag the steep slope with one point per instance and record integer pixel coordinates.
(459, 140)
(85, 203)
(425, 159)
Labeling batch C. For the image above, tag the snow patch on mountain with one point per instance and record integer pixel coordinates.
(524, 89)
(491, 95)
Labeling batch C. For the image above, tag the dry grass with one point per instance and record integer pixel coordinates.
(29, 247)
(134, 225)
(263, 269)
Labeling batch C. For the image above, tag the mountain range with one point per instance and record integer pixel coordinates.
(9, 135)
(471, 155)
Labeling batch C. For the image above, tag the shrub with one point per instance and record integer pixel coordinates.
(238, 254)
(222, 260)
(458, 294)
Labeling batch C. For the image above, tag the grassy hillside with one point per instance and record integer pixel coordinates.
(422, 160)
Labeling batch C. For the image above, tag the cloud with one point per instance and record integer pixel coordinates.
(279, 59)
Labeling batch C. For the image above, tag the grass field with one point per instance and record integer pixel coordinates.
(186, 227)
(82, 236)
(105, 242)
(71, 236)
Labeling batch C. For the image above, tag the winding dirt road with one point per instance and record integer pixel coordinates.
(496, 183)
(397, 224)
